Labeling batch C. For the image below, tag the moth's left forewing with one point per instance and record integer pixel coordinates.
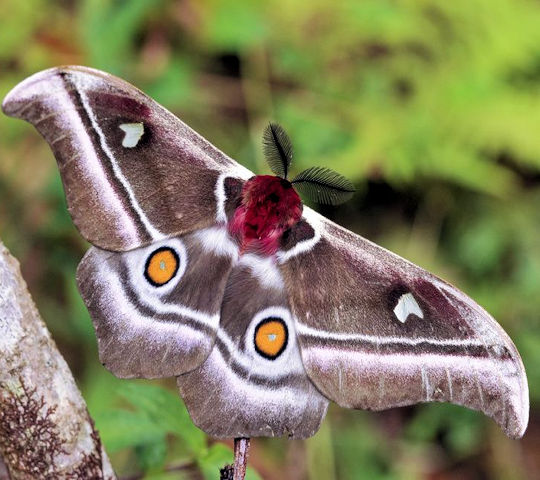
(133, 173)
(376, 331)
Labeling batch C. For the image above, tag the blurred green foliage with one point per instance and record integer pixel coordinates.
(432, 108)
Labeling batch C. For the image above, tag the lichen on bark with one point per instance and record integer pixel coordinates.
(29, 437)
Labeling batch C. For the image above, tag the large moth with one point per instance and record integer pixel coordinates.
(261, 336)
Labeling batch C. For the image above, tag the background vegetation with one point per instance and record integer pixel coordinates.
(432, 108)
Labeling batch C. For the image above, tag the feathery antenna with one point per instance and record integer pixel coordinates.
(277, 149)
(323, 185)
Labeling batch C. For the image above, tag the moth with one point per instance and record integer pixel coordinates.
(262, 309)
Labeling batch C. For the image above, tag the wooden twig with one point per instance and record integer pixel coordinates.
(241, 452)
(45, 428)
(238, 470)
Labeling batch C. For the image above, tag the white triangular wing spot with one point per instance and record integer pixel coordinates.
(134, 132)
(406, 306)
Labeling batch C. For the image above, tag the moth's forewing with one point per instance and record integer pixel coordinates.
(376, 332)
(133, 173)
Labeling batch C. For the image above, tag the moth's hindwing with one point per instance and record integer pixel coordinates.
(133, 173)
(156, 309)
(253, 383)
(376, 332)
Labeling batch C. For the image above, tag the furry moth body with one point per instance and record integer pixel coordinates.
(260, 339)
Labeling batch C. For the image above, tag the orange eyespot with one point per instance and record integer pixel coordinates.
(271, 337)
(161, 266)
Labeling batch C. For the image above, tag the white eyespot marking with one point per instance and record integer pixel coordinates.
(134, 132)
(406, 306)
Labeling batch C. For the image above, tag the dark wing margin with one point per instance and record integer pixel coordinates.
(376, 331)
(133, 173)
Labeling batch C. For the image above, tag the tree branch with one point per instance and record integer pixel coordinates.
(45, 428)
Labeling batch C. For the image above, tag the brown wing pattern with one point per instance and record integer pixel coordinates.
(133, 173)
(376, 332)
(361, 325)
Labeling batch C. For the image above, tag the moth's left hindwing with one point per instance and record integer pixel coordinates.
(376, 331)
(133, 173)
(156, 309)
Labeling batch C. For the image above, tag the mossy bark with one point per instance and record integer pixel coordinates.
(45, 429)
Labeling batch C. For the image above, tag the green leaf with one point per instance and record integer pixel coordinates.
(109, 30)
(217, 457)
(151, 456)
(175, 86)
(24, 18)
(166, 410)
(236, 25)
(168, 476)
(122, 429)
(320, 455)
(462, 427)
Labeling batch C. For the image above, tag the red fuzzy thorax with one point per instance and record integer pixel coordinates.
(269, 206)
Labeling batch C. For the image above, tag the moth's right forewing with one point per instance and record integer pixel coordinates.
(377, 332)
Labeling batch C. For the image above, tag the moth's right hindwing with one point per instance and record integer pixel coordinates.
(253, 383)
(156, 308)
